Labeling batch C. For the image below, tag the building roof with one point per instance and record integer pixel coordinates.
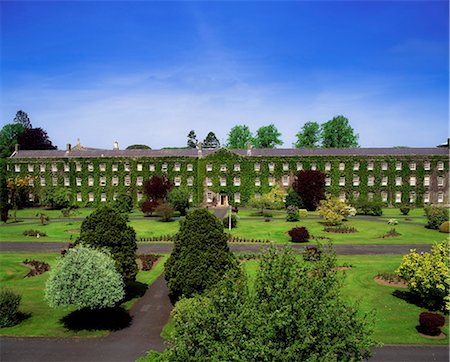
(256, 152)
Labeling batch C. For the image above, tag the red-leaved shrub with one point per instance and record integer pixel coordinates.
(299, 234)
(431, 323)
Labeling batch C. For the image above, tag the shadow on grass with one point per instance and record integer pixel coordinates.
(413, 298)
(111, 319)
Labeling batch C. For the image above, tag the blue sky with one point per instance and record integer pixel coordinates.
(149, 72)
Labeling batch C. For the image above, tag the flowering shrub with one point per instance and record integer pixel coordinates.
(334, 211)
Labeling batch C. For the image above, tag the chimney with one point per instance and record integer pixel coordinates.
(68, 147)
(116, 145)
(16, 148)
(249, 149)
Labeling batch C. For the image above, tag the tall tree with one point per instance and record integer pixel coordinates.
(23, 119)
(267, 137)
(337, 133)
(9, 137)
(310, 186)
(239, 137)
(211, 141)
(192, 141)
(309, 137)
(35, 139)
(156, 188)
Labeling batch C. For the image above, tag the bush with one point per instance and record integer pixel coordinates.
(123, 203)
(148, 207)
(299, 234)
(57, 199)
(405, 210)
(179, 199)
(334, 211)
(200, 256)
(9, 307)
(234, 221)
(444, 228)
(436, 216)
(311, 253)
(371, 208)
(340, 229)
(107, 228)
(84, 278)
(292, 199)
(303, 213)
(35, 233)
(165, 211)
(292, 214)
(431, 323)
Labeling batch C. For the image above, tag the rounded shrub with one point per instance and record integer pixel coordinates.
(431, 323)
(292, 213)
(405, 210)
(299, 234)
(444, 228)
(9, 307)
(234, 221)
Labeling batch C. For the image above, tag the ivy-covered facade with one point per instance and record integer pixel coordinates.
(414, 176)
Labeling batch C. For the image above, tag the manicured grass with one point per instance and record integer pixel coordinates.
(43, 320)
(395, 318)
(56, 231)
(153, 227)
(52, 214)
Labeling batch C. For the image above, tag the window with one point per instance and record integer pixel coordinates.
(31, 182)
(426, 180)
(115, 196)
(90, 181)
(384, 181)
(55, 181)
(189, 167)
(384, 166)
(91, 196)
(102, 167)
(328, 166)
(209, 197)
(412, 166)
(42, 168)
(299, 166)
(79, 197)
(191, 198)
(78, 181)
(42, 181)
(370, 196)
(190, 181)
(370, 166)
(440, 197)
(355, 180)
(78, 166)
(177, 167)
(90, 167)
(223, 181)
(398, 197)
(384, 196)
(102, 180)
(356, 195)
(237, 197)
(139, 167)
(426, 165)
(370, 180)
(139, 181)
(54, 167)
(271, 180)
(237, 167)
(115, 167)
(271, 166)
(257, 181)
(17, 167)
(412, 181)
(257, 167)
(327, 181)
(412, 197)
(342, 196)
(151, 167)
(398, 181)
(209, 181)
(66, 167)
(285, 180)
(313, 166)
(208, 167)
(177, 181)
(126, 167)
(440, 181)
(341, 166)
(66, 181)
(237, 181)
(103, 197)
(257, 195)
(30, 167)
(139, 196)
(223, 168)
(164, 167)
(115, 180)
(342, 181)
(285, 166)
(127, 181)
(398, 166)
(356, 166)
(426, 197)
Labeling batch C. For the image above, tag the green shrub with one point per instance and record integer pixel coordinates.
(165, 211)
(436, 216)
(9, 307)
(292, 214)
(234, 221)
(444, 228)
(179, 199)
(123, 203)
(303, 213)
(292, 199)
(371, 208)
(405, 210)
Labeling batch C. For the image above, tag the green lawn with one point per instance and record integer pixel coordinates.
(43, 320)
(396, 319)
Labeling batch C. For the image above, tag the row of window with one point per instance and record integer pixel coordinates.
(398, 196)
(223, 168)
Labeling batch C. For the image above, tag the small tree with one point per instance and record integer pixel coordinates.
(57, 199)
(211, 141)
(107, 229)
(157, 188)
(84, 278)
(427, 275)
(263, 202)
(200, 256)
(148, 207)
(310, 186)
(292, 199)
(165, 211)
(334, 211)
(276, 196)
(179, 199)
(192, 141)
